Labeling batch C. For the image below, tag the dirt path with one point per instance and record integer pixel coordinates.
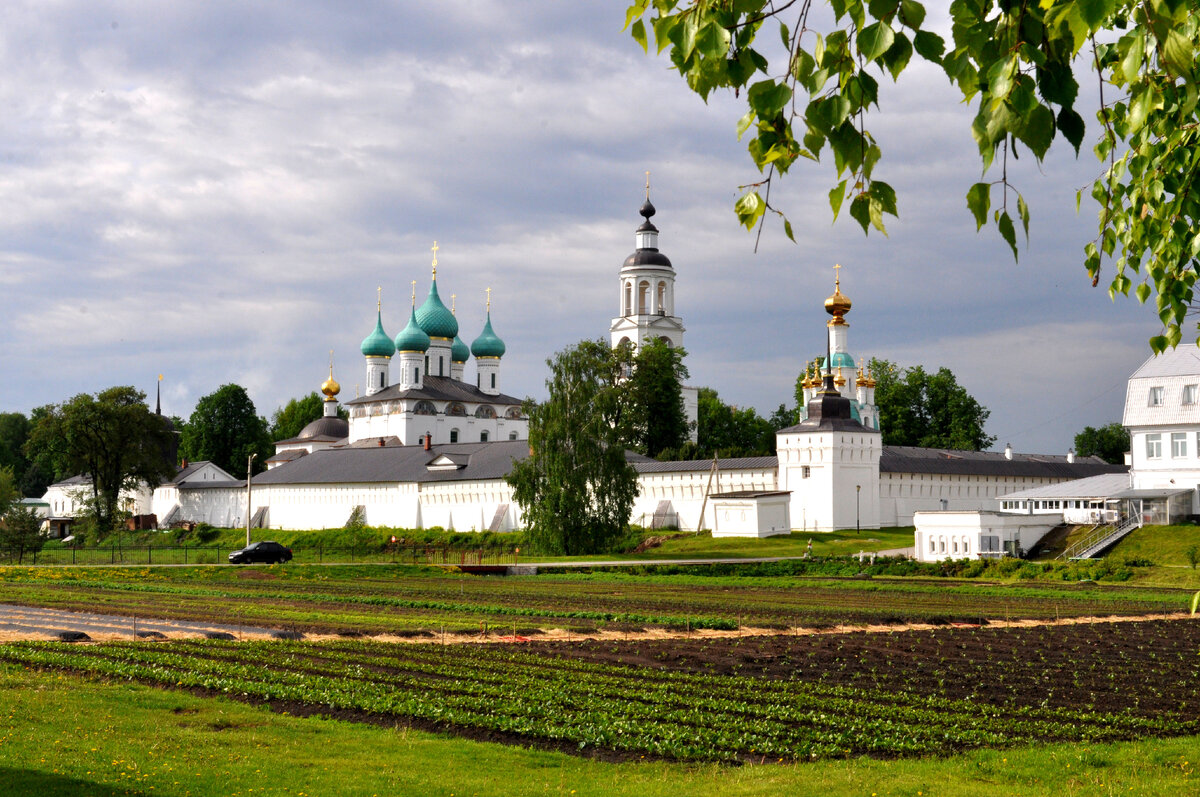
(32, 623)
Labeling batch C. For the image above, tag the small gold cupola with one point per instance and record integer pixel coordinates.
(330, 387)
(837, 305)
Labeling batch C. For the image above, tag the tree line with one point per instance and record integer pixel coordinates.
(115, 440)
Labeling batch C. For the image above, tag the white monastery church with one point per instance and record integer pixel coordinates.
(427, 445)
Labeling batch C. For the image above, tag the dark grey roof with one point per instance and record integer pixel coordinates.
(324, 428)
(211, 484)
(395, 464)
(828, 411)
(438, 388)
(750, 494)
(288, 455)
(647, 257)
(647, 465)
(74, 481)
(907, 459)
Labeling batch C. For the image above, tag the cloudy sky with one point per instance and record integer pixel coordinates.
(213, 191)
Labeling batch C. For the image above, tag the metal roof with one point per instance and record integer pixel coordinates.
(1152, 493)
(397, 464)
(438, 388)
(908, 459)
(1106, 485)
(647, 465)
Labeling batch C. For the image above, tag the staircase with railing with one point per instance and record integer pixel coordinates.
(1101, 537)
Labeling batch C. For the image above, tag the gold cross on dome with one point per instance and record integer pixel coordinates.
(331, 363)
(414, 293)
(435, 251)
(837, 277)
(379, 298)
(453, 301)
(647, 185)
(489, 300)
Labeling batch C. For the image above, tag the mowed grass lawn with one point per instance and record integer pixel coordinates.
(64, 735)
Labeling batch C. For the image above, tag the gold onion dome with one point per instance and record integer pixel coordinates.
(837, 305)
(330, 387)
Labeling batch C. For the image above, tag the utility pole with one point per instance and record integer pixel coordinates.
(249, 472)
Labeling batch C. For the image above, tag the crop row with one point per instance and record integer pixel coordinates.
(585, 704)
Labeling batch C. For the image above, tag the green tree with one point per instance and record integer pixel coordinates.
(225, 429)
(656, 393)
(8, 490)
(930, 410)
(726, 431)
(113, 438)
(14, 431)
(1109, 442)
(21, 531)
(576, 488)
(290, 419)
(1021, 65)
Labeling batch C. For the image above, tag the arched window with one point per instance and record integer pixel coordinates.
(424, 408)
(512, 435)
(457, 409)
(453, 435)
(660, 301)
(485, 411)
(483, 436)
(643, 298)
(627, 309)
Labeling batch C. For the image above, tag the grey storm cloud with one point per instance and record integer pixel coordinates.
(214, 191)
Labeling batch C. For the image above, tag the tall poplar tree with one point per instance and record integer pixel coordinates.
(656, 393)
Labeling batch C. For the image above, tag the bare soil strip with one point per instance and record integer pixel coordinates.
(20, 623)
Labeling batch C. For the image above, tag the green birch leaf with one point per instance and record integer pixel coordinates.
(1071, 125)
(787, 230)
(860, 211)
(744, 123)
(885, 195)
(1135, 44)
(749, 209)
(1143, 292)
(929, 46)
(874, 40)
(1005, 225)
(837, 195)
(1177, 52)
(875, 211)
(638, 32)
(898, 55)
(979, 201)
(912, 13)
(1023, 214)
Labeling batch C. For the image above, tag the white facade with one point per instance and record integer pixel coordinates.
(976, 535)
(750, 515)
(1162, 413)
(832, 475)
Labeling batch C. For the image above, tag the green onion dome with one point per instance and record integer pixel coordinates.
(378, 344)
(488, 344)
(459, 352)
(412, 337)
(435, 318)
(840, 360)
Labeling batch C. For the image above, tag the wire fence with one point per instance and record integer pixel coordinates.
(219, 554)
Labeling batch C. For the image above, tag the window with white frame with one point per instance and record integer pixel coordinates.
(1156, 396)
(1178, 445)
(1190, 392)
(1154, 446)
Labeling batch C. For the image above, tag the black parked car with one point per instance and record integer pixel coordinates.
(267, 552)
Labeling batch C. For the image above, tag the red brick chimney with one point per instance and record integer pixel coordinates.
(428, 442)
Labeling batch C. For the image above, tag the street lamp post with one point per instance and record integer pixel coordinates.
(249, 464)
(857, 494)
